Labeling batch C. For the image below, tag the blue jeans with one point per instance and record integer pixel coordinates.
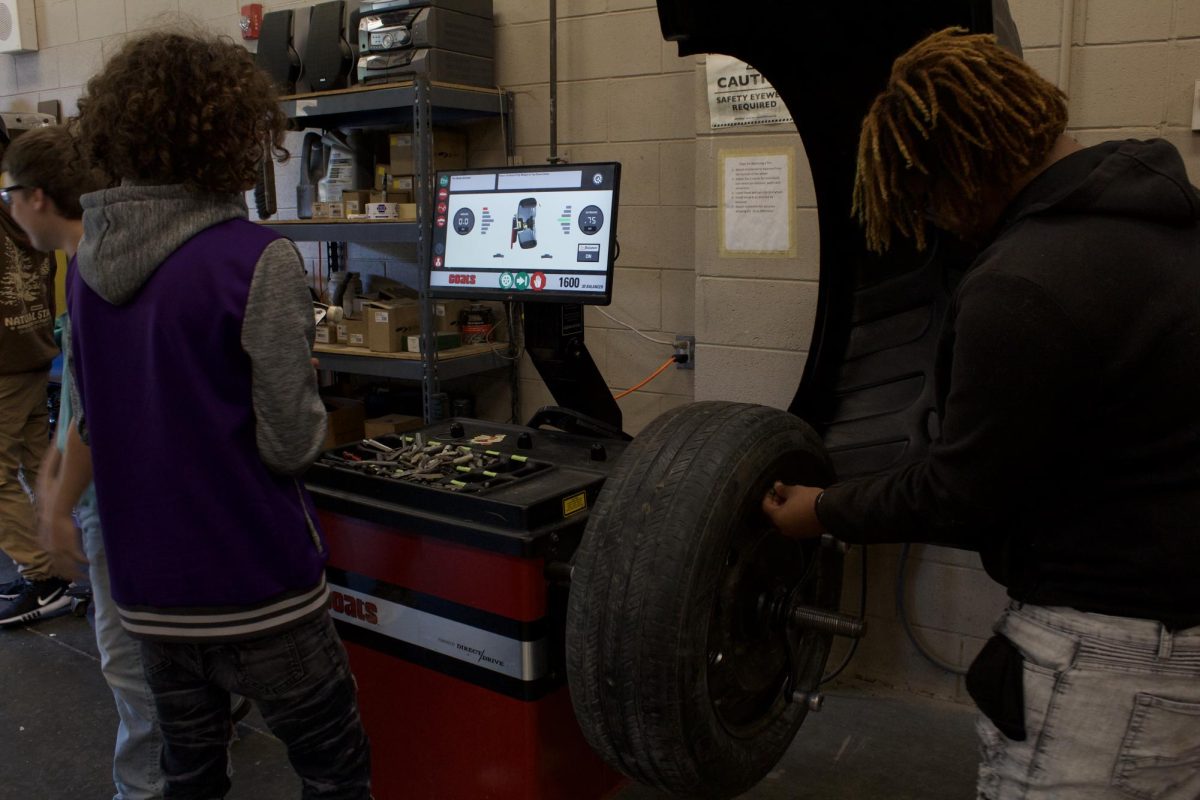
(136, 772)
(301, 682)
(1112, 710)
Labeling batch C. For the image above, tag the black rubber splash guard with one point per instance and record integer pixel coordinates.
(867, 385)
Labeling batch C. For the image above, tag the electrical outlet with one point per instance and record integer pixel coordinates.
(685, 345)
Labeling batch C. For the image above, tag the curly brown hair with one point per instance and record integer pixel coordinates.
(961, 121)
(176, 108)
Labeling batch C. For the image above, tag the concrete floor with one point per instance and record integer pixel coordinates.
(57, 723)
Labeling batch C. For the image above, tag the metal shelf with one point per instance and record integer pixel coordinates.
(421, 103)
(455, 363)
(366, 106)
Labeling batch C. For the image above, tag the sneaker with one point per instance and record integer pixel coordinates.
(11, 589)
(34, 601)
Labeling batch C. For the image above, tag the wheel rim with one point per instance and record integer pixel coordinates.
(749, 665)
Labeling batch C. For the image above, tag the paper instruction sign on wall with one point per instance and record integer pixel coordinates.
(756, 197)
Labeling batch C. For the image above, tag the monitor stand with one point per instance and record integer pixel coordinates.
(554, 341)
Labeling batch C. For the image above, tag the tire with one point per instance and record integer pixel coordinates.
(677, 566)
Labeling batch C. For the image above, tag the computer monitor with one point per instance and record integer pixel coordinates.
(545, 233)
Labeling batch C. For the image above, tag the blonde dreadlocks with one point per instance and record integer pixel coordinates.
(961, 120)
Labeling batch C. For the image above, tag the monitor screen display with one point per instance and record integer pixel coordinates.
(544, 233)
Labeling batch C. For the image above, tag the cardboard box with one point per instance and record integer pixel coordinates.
(354, 201)
(336, 210)
(352, 332)
(444, 341)
(357, 332)
(392, 423)
(449, 151)
(326, 334)
(389, 322)
(392, 210)
(445, 314)
(400, 188)
(377, 196)
(344, 421)
(383, 211)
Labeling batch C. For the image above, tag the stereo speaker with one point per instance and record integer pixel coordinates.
(276, 54)
(327, 56)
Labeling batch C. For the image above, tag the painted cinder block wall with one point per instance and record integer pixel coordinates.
(625, 95)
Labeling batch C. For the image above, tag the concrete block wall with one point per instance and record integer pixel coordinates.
(1133, 67)
(76, 35)
(753, 315)
(625, 95)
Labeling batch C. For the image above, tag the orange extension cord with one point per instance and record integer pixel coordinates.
(654, 375)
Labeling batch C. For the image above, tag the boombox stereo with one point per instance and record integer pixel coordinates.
(409, 28)
(475, 8)
(444, 66)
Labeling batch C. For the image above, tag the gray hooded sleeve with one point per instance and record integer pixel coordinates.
(277, 334)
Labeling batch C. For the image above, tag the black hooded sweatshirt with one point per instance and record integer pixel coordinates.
(1068, 388)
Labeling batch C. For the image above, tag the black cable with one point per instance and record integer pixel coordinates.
(513, 310)
(908, 631)
(862, 615)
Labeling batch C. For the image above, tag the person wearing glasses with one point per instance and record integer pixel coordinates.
(27, 349)
(45, 178)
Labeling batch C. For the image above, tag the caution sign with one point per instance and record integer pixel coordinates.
(574, 504)
(738, 94)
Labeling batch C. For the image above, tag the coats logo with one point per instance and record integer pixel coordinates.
(355, 607)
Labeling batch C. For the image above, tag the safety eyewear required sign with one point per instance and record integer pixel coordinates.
(738, 94)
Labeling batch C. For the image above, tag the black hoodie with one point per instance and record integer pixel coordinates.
(1068, 388)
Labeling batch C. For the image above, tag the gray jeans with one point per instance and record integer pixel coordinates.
(1112, 711)
(299, 679)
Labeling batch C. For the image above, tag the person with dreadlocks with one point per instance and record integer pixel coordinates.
(1067, 385)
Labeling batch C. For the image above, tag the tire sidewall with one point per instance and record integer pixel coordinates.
(637, 660)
